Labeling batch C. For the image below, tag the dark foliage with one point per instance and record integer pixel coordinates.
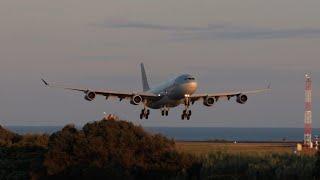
(110, 149)
(245, 166)
(33, 140)
(7, 137)
(316, 171)
(113, 149)
(18, 162)
(20, 155)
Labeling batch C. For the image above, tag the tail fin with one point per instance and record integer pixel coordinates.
(145, 83)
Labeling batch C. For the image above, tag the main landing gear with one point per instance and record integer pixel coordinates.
(186, 114)
(145, 113)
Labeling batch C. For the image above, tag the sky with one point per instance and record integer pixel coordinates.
(226, 44)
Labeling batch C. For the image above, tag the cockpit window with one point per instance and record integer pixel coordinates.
(190, 78)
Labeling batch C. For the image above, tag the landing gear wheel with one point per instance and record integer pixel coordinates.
(164, 111)
(144, 113)
(186, 114)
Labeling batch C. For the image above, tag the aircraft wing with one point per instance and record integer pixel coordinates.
(226, 95)
(106, 93)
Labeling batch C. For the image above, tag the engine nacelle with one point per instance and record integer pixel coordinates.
(242, 98)
(136, 100)
(209, 101)
(90, 96)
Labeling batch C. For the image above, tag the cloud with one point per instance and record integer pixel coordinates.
(214, 31)
(234, 32)
(102, 58)
(123, 24)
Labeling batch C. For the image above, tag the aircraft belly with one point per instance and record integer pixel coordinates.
(165, 101)
(179, 91)
(177, 94)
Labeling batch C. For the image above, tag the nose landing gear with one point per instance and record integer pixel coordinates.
(164, 111)
(145, 113)
(186, 114)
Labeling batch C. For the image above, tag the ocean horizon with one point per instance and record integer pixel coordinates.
(200, 133)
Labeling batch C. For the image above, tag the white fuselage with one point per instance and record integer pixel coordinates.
(172, 93)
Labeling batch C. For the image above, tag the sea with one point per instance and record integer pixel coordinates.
(201, 133)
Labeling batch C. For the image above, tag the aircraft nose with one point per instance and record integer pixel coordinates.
(192, 87)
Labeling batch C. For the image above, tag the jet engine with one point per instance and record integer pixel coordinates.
(136, 100)
(90, 96)
(209, 101)
(241, 98)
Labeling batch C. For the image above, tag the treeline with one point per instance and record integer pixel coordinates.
(110, 149)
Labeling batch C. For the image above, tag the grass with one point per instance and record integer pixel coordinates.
(203, 148)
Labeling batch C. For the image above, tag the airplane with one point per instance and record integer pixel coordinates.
(172, 93)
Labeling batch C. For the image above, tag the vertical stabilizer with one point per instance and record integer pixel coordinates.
(145, 83)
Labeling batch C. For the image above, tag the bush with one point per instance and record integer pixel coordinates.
(244, 166)
(18, 162)
(19, 155)
(316, 171)
(7, 137)
(33, 140)
(113, 149)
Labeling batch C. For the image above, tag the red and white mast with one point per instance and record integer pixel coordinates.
(308, 112)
